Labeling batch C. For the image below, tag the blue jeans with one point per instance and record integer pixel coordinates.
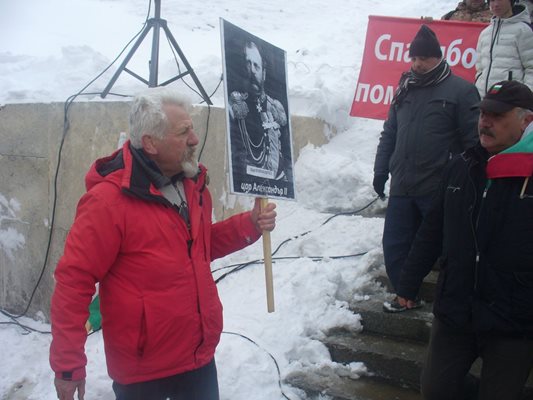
(403, 218)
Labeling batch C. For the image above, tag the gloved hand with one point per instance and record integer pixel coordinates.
(379, 184)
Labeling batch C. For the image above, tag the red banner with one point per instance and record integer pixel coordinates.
(386, 56)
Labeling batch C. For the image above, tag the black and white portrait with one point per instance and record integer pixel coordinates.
(257, 113)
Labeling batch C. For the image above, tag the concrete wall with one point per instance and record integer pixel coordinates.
(30, 137)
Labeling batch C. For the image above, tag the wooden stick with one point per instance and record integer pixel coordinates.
(267, 255)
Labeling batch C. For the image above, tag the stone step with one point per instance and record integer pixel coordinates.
(365, 388)
(343, 388)
(427, 289)
(413, 325)
(392, 360)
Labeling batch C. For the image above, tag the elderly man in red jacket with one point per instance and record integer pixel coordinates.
(143, 231)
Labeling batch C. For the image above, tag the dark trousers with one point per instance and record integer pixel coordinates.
(505, 369)
(403, 218)
(200, 384)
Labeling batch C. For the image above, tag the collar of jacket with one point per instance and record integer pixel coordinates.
(137, 178)
(152, 170)
(475, 155)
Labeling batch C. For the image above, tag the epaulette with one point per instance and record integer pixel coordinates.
(278, 112)
(237, 103)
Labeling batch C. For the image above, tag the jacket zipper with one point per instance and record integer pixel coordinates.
(475, 226)
(494, 39)
(476, 268)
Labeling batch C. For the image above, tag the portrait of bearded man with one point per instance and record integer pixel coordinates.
(259, 126)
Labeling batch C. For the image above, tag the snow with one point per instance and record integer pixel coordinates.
(10, 238)
(52, 49)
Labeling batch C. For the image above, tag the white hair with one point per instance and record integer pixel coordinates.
(524, 112)
(147, 116)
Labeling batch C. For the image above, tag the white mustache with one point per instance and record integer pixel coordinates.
(191, 153)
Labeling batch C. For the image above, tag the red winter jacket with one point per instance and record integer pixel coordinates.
(161, 314)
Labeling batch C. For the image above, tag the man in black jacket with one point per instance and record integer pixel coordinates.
(480, 224)
(429, 119)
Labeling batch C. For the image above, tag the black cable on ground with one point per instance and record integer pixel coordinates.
(266, 351)
(354, 212)
(26, 328)
(351, 212)
(241, 266)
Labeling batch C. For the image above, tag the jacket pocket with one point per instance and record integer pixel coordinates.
(441, 112)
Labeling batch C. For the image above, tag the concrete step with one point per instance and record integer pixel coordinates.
(395, 361)
(365, 388)
(343, 388)
(427, 289)
(413, 325)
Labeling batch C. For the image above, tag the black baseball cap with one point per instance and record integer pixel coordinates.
(506, 95)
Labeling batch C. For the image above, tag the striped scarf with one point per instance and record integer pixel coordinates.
(412, 79)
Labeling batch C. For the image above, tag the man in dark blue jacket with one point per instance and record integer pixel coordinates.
(480, 224)
(429, 119)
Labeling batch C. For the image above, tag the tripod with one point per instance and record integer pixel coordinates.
(156, 23)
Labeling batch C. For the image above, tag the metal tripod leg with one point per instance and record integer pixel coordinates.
(127, 59)
(187, 65)
(156, 23)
